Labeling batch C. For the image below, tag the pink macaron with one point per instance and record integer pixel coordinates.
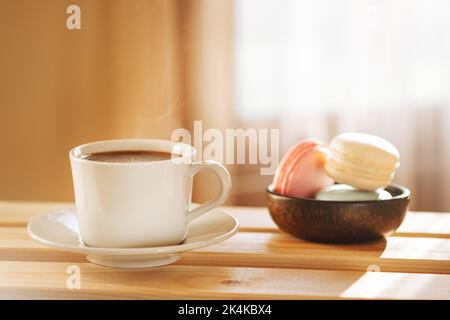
(301, 172)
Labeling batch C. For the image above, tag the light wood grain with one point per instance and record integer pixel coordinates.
(118, 77)
(397, 254)
(259, 262)
(261, 249)
(416, 223)
(251, 219)
(48, 280)
(17, 214)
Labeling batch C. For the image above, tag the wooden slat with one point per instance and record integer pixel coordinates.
(416, 224)
(275, 250)
(48, 280)
(397, 254)
(17, 214)
(251, 219)
(433, 224)
(259, 262)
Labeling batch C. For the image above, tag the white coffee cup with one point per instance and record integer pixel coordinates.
(138, 204)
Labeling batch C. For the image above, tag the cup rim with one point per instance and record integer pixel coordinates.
(186, 151)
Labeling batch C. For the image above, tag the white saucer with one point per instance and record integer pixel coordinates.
(59, 229)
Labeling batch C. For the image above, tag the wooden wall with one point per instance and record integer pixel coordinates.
(117, 77)
(207, 64)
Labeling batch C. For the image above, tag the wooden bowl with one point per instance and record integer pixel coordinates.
(339, 221)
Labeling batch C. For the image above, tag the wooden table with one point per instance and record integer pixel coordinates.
(259, 262)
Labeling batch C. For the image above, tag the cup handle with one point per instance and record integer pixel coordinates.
(225, 187)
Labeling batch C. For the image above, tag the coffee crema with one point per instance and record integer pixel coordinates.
(127, 156)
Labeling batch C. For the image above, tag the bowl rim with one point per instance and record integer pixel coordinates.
(405, 194)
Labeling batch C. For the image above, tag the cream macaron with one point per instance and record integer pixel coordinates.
(361, 160)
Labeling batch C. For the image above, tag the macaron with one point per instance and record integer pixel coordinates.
(343, 192)
(361, 160)
(301, 171)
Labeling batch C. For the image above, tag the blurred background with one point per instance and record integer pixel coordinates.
(142, 68)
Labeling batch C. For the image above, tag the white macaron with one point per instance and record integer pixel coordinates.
(361, 160)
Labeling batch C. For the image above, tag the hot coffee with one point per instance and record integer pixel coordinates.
(132, 198)
(126, 156)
